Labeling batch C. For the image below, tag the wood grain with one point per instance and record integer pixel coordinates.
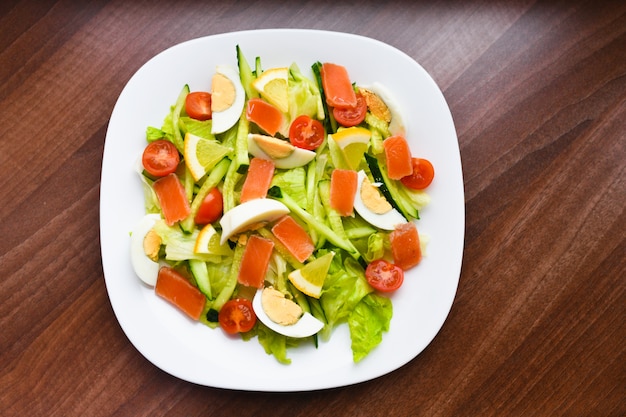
(537, 90)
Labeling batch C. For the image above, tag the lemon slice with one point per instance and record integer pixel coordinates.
(353, 143)
(310, 278)
(201, 154)
(272, 85)
(208, 242)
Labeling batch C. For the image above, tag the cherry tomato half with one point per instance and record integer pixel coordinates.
(306, 133)
(198, 105)
(160, 158)
(422, 176)
(384, 276)
(211, 208)
(351, 116)
(237, 316)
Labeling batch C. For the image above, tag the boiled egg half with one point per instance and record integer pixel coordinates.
(227, 98)
(281, 152)
(396, 125)
(373, 207)
(283, 315)
(245, 215)
(144, 248)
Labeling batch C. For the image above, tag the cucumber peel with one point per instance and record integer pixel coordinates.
(390, 190)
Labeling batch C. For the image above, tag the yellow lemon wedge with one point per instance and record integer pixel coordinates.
(353, 143)
(208, 242)
(201, 154)
(272, 85)
(310, 278)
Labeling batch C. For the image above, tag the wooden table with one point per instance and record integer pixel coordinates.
(537, 91)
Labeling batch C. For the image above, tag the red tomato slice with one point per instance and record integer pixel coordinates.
(384, 276)
(211, 208)
(160, 158)
(306, 133)
(198, 105)
(237, 316)
(351, 116)
(423, 174)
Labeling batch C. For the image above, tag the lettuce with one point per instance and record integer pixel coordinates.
(197, 127)
(152, 134)
(344, 288)
(347, 297)
(367, 322)
(273, 343)
(419, 198)
(168, 125)
(373, 246)
(151, 201)
(219, 274)
(293, 180)
(304, 96)
(179, 246)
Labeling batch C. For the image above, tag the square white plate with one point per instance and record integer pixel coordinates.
(196, 353)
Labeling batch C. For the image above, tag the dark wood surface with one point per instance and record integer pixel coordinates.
(537, 91)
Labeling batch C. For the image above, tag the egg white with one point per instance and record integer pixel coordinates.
(224, 120)
(385, 221)
(299, 157)
(145, 268)
(396, 126)
(245, 214)
(305, 327)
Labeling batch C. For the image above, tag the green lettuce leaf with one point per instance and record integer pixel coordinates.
(273, 343)
(372, 247)
(179, 246)
(152, 134)
(369, 319)
(293, 180)
(151, 201)
(219, 274)
(304, 96)
(197, 127)
(343, 289)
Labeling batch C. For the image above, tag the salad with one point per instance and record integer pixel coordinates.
(279, 206)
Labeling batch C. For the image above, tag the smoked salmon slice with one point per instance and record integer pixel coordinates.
(405, 245)
(258, 180)
(172, 198)
(176, 289)
(337, 86)
(398, 157)
(264, 115)
(343, 185)
(294, 238)
(256, 258)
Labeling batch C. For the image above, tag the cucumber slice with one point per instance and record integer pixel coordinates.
(390, 190)
(201, 274)
(246, 75)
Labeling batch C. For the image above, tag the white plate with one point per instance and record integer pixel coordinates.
(196, 353)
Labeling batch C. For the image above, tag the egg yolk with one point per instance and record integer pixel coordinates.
(222, 93)
(372, 199)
